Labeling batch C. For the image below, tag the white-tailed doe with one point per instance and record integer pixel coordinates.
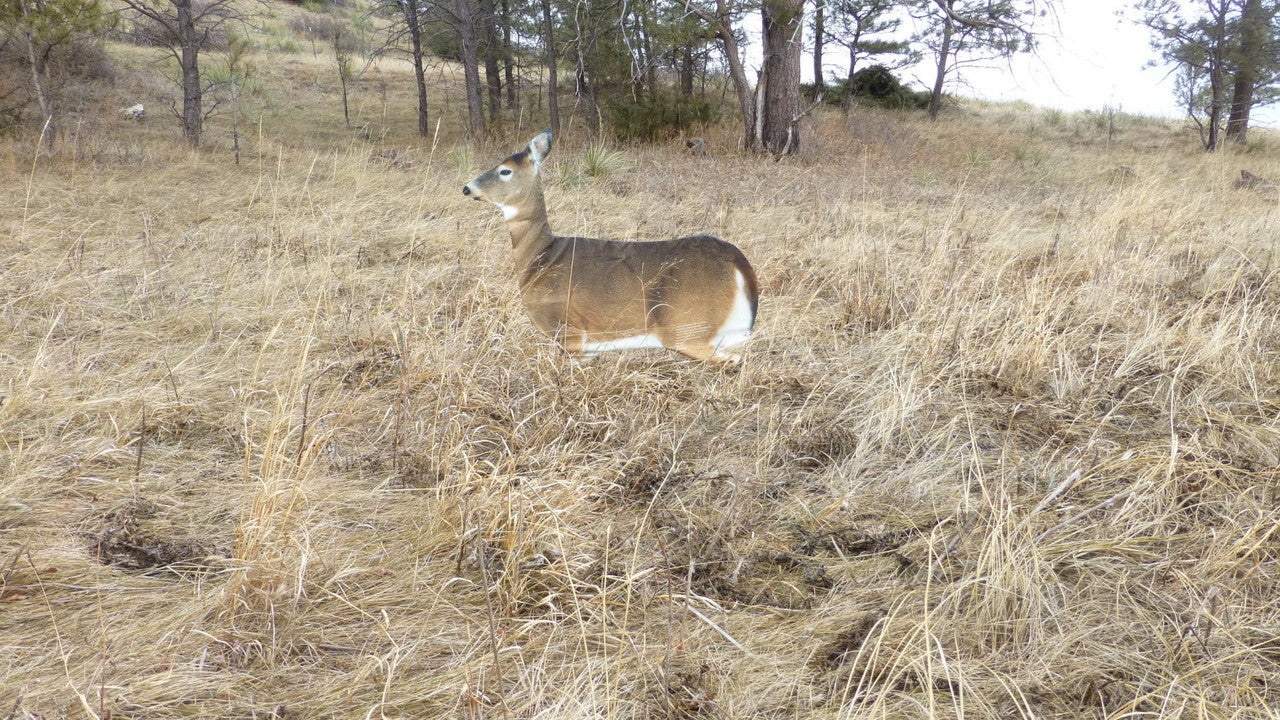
(696, 295)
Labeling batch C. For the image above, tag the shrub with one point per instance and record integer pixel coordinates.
(77, 69)
(879, 86)
(87, 60)
(809, 91)
(439, 39)
(327, 31)
(875, 85)
(10, 117)
(279, 39)
(653, 119)
(312, 25)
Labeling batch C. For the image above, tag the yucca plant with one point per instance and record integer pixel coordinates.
(601, 161)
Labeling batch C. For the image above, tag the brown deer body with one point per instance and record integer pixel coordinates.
(695, 295)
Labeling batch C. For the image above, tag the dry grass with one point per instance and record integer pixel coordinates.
(279, 442)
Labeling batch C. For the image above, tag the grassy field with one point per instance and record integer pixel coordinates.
(277, 440)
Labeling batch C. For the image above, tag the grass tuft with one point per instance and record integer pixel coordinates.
(602, 161)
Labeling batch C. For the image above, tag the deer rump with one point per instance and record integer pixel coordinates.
(663, 293)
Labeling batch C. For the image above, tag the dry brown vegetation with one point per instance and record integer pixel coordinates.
(278, 441)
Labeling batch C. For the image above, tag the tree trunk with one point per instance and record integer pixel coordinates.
(1217, 74)
(584, 88)
(722, 24)
(192, 91)
(466, 29)
(758, 130)
(192, 94)
(781, 78)
(818, 32)
(508, 61)
(587, 92)
(235, 117)
(740, 85)
(686, 69)
(342, 58)
(43, 99)
(944, 52)
(1253, 28)
(650, 63)
(492, 71)
(415, 37)
(346, 112)
(37, 85)
(553, 104)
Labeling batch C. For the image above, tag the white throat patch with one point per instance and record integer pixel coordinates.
(508, 211)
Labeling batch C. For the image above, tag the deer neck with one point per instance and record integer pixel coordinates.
(530, 232)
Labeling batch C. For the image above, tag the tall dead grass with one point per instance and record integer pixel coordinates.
(279, 442)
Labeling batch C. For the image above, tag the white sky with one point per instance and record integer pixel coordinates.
(1088, 59)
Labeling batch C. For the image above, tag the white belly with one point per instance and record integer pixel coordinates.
(635, 342)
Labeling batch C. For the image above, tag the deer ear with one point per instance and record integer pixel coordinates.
(539, 148)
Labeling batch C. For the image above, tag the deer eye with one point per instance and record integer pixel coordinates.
(505, 172)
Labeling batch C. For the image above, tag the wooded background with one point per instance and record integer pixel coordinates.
(641, 70)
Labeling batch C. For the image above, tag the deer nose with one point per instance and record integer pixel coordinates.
(466, 189)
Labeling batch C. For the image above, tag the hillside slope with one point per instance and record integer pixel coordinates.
(278, 440)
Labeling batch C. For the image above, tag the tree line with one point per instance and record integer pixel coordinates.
(649, 68)
(1226, 54)
(647, 57)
